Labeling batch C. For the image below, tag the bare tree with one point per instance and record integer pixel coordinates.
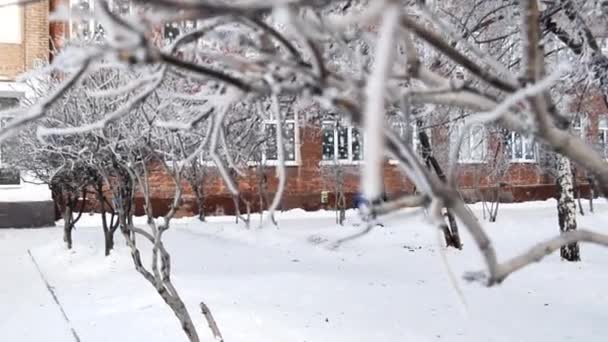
(358, 58)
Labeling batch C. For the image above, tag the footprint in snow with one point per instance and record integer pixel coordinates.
(316, 239)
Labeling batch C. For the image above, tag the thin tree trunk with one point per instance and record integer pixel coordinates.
(455, 235)
(494, 213)
(566, 208)
(591, 193)
(198, 194)
(67, 225)
(452, 236)
(200, 204)
(577, 189)
(108, 233)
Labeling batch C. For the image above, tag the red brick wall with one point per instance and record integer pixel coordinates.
(18, 58)
(306, 182)
(520, 181)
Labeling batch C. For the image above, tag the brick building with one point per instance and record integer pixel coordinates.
(320, 153)
(24, 45)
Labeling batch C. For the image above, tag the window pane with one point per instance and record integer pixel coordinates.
(465, 146)
(328, 141)
(577, 123)
(477, 144)
(171, 31)
(530, 149)
(8, 102)
(342, 143)
(357, 144)
(285, 105)
(289, 138)
(398, 126)
(415, 138)
(601, 139)
(271, 141)
(11, 22)
(517, 146)
(82, 25)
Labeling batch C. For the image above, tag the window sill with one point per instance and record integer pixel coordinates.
(523, 161)
(11, 186)
(470, 162)
(340, 162)
(272, 163)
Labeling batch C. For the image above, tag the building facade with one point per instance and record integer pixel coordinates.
(324, 157)
(24, 45)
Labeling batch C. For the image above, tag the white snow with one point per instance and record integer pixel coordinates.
(27, 191)
(286, 284)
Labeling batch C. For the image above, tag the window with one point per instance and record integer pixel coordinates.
(12, 22)
(343, 144)
(401, 128)
(416, 144)
(290, 137)
(519, 148)
(473, 147)
(8, 176)
(602, 136)
(579, 125)
(120, 7)
(175, 29)
(82, 23)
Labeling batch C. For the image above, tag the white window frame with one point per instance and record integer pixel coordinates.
(72, 20)
(296, 133)
(92, 22)
(523, 159)
(467, 144)
(349, 144)
(17, 12)
(602, 128)
(400, 127)
(579, 125)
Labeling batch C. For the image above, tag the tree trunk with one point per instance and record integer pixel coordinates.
(109, 242)
(577, 189)
(200, 198)
(200, 205)
(452, 237)
(67, 225)
(566, 207)
(455, 235)
(591, 193)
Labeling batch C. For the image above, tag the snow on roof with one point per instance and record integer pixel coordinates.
(12, 89)
(27, 191)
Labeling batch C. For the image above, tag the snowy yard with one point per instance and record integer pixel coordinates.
(289, 285)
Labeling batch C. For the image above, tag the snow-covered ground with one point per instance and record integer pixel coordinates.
(289, 285)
